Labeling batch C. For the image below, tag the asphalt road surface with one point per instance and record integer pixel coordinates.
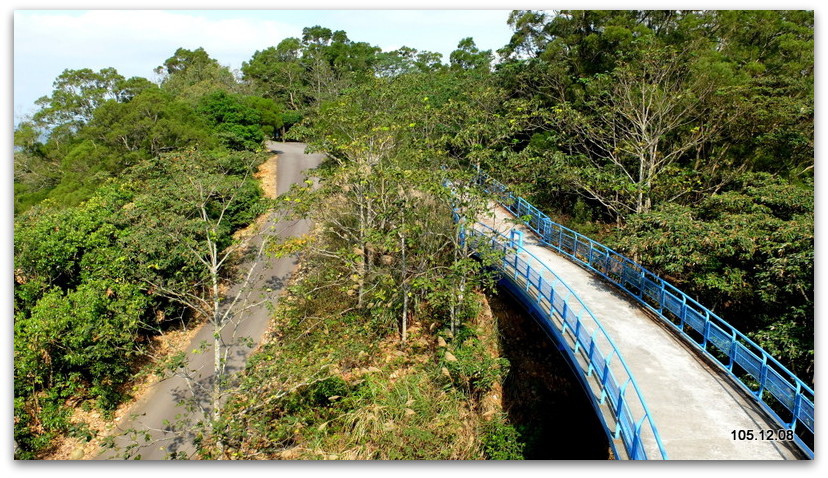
(159, 414)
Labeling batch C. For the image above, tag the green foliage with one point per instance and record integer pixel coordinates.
(748, 253)
(473, 370)
(151, 122)
(76, 95)
(118, 133)
(501, 441)
(86, 279)
(193, 74)
(468, 57)
(272, 117)
(237, 125)
(278, 74)
(84, 338)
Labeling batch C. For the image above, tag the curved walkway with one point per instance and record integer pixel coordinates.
(695, 406)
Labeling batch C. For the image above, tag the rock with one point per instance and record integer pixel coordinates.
(77, 454)
(291, 453)
(441, 342)
(409, 412)
(445, 372)
(450, 357)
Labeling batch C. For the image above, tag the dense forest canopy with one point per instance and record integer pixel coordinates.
(684, 139)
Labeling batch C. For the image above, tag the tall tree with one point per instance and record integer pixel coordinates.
(468, 57)
(76, 95)
(641, 121)
(277, 73)
(192, 74)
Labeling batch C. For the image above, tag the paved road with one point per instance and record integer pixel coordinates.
(269, 276)
(694, 405)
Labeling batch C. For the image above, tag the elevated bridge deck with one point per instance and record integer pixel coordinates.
(695, 405)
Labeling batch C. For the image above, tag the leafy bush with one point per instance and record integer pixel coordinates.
(501, 441)
(473, 369)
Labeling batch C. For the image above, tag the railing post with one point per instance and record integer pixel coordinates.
(604, 376)
(577, 331)
(706, 330)
(661, 299)
(797, 406)
(619, 406)
(591, 351)
(762, 376)
(637, 438)
(516, 238)
(575, 245)
(589, 256)
(731, 354)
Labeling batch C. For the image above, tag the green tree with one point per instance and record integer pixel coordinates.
(385, 210)
(192, 74)
(150, 123)
(237, 124)
(638, 124)
(210, 199)
(748, 254)
(277, 73)
(76, 95)
(468, 57)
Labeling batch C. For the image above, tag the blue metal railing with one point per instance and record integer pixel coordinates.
(788, 400)
(590, 349)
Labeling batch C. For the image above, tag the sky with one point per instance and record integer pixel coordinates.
(135, 42)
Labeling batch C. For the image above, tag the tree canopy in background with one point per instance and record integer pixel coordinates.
(691, 132)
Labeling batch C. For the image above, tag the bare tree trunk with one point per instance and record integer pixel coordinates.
(404, 267)
(363, 270)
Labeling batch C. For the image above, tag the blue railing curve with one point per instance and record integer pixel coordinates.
(589, 347)
(787, 399)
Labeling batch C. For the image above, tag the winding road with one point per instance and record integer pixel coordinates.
(159, 412)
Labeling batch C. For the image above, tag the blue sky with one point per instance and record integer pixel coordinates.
(134, 42)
